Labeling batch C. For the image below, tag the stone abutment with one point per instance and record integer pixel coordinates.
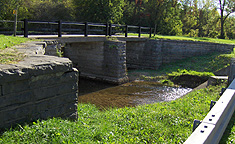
(39, 87)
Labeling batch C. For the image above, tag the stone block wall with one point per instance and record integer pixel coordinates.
(39, 87)
(143, 54)
(102, 60)
(173, 50)
(152, 54)
(114, 63)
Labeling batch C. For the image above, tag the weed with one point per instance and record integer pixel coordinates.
(110, 38)
(113, 46)
(59, 53)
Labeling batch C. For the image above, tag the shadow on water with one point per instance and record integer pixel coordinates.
(86, 86)
(130, 94)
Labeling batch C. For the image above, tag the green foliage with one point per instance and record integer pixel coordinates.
(52, 10)
(99, 11)
(59, 53)
(167, 82)
(229, 28)
(180, 72)
(226, 8)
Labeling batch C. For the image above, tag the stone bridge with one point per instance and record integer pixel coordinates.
(108, 58)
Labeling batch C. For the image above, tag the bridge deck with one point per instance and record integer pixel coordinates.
(81, 38)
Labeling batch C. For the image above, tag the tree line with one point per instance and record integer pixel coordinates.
(195, 18)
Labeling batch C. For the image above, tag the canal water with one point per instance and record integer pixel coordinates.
(130, 94)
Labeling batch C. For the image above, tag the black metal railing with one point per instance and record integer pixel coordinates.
(30, 27)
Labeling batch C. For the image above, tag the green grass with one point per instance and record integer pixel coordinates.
(8, 54)
(180, 72)
(166, 122)
(202, 39)
(9, 41)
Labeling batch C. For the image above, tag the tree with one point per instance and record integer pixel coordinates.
(51, 10)
(37, 9)
(207, 18)
(230, 27)
(189, 17)
(165, 15)
(226, 7)
(99, 10)
(7, 7)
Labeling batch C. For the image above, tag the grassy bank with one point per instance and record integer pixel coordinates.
(166, 122)
(7, 53)
(199, 65)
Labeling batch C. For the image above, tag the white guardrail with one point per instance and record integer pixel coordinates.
(214, 124)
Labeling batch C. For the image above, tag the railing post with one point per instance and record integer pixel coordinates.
(59, 28)
(126, 32)
(110, 29)
(150, 32)
(86, 29)
(26, 28)
(155, 30)
(139, 31)
(107, 29)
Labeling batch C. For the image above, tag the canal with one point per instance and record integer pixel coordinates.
(105, 95)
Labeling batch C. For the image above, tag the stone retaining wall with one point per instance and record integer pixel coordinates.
(143, 54)
(153, 53)
(176, 50)
(39, 87)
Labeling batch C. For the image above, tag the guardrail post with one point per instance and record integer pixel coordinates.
(212, 104)
(59, 28)
(26, 30)
(86, 29)
(139, 31)
(196, 123)
(222, 91)
(126, 32)
(110, 29)
(150, 32)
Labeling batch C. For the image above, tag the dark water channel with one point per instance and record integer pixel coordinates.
(130, 94)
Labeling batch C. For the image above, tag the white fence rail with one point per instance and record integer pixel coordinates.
(214, 124)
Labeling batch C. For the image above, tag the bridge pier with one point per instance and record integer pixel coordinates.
(101, 60)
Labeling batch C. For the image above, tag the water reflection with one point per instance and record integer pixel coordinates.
(133, 94)
(160, 93)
